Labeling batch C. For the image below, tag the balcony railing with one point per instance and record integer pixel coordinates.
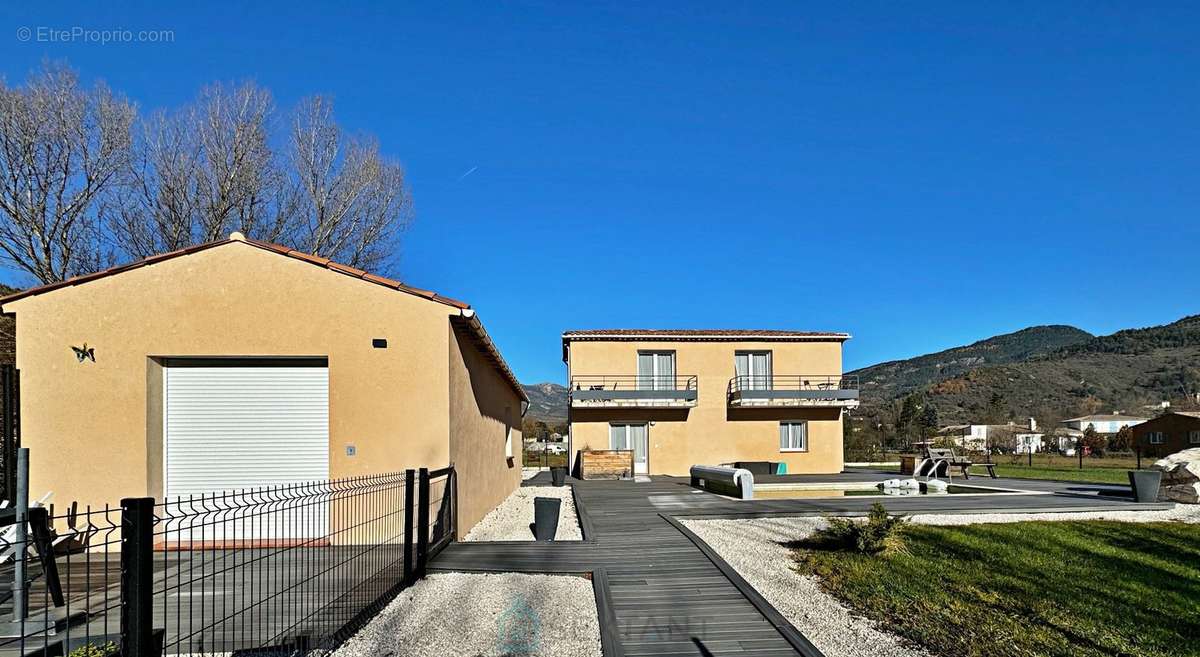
(624, 390)
(818, 390)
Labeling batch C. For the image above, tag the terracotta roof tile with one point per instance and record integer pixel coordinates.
(702, 333)
(383, 281)
(266, 246)
(494, 353)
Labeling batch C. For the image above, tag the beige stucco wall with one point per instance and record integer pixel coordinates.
(94, 429)
(711, 432)
(482, 407)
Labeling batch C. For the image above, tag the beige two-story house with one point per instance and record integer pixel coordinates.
(678, 398)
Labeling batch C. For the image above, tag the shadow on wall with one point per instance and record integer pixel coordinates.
(483, 378)
(779, 413)
(628, 415)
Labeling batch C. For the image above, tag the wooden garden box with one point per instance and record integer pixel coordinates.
(606, 463)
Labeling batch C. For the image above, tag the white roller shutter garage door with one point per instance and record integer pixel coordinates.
(244, 427)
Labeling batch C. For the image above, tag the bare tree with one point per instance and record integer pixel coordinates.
(351, 202)
(61, 147)
(200, 172)
(76, 189)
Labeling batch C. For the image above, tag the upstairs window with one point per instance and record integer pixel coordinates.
(656, 370)
(793, 436)
(753, 369)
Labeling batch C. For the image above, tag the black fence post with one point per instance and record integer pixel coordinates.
(410, 477)
(422, 521)
(137, 573)
(11, 403)
(1138, 449)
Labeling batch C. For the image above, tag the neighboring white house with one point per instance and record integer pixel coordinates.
(1103, 423)
(977, 437)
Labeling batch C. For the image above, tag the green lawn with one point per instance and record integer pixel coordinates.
(1054, 589)
(1064, 473)
(540, 459)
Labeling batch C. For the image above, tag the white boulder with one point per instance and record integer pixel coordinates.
(1180, 477)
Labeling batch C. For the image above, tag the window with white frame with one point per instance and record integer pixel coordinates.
(508, 441)
(793, 436)
(753, 370)
(1155, 437)
(656, 370)
(1194, 437)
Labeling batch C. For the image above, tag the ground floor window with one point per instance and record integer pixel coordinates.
(1194, 437)
(628, 437)
(793, 436)
(1156, 437)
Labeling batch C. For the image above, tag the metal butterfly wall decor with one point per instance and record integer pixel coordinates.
(85, 353)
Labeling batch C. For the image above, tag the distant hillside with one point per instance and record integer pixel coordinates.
(898, 377)
(547, 402)
(1124, 371)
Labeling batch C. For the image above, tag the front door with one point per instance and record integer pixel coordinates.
(631, 437)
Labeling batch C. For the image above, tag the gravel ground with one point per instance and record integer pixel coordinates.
(472, 614)
(753, 548)
(511, 520)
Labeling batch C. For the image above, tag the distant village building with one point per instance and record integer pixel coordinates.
(1168, 433)
(978, 437)
(1103, 423)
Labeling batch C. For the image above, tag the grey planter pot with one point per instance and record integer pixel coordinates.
(1145, 484)
(545, 517)
(558, 475)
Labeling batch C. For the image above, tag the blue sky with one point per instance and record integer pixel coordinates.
(919, 174)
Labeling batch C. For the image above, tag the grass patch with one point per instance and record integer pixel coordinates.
(1054, 589)
(1064, 473)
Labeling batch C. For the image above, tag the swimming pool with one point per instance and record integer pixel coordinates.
(817, 491)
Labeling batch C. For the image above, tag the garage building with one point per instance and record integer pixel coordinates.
(240, 363)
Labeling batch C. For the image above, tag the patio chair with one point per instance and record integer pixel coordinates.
(939, 460)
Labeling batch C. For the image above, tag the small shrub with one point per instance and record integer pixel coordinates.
(878, 533)
(94, 650)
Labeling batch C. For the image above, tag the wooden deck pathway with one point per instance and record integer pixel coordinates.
(670, 596)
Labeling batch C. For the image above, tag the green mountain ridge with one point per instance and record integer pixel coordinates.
(898, 377)
(1050, 373)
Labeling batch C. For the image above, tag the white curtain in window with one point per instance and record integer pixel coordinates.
(665, 371)
(618, 437)
(637, 436)
(656, 370)
(755, 367)
(793, 435)
(760, 366)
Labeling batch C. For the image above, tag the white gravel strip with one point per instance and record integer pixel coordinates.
(753, 547)
(487, 615)
(511, 520)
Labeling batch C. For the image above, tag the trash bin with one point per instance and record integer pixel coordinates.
(558, 475)
(1145, 484)
(545, 517)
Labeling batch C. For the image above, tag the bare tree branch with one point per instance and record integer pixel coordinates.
(199, 173)
(61, 147)
(81, 176)
(352, 202)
